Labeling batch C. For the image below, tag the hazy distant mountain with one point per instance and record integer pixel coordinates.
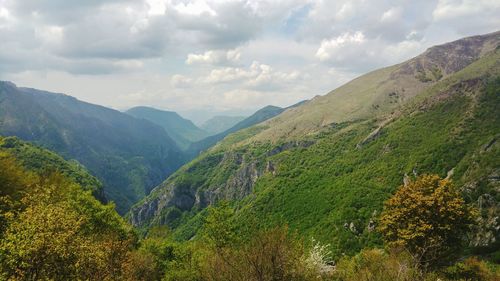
(129, 155)
(259, 116)
(220, 123)
(181, 130)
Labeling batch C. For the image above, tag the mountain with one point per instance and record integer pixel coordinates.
(259, 116)
(219, 124)
(128, 155)
(326, 166)
(181, 130)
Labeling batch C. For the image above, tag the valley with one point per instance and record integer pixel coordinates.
(301, 192)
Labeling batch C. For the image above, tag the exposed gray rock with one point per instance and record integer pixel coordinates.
(406, 179)
(184, 197)
(288, 146)
(352, 228)
(371, 225)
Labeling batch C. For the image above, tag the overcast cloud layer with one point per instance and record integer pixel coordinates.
(220, 55)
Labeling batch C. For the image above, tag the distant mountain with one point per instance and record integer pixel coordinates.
(181, 130)
(128, 155)
(220, 123)
(259, 116)
(326, 166)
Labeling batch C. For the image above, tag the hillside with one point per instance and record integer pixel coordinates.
(181, 130)
(51, 227)
(219, 124)
(42, 161)
(128, 155)
(326, 166)
(380, 91)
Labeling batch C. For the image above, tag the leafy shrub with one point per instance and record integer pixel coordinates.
(427, 217)
(377, 265)
(471, 269)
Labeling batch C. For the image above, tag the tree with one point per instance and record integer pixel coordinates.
(427, 217)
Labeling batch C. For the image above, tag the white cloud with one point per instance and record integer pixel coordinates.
(449, 9)
(50, 34)
(156, 7)
(215, 57)
(257, 76)
(467, 16)
(4, 13)
(355, 53)
(391, 15)
(345, 12)
(333, 48)
(181, 81)
(197, 7)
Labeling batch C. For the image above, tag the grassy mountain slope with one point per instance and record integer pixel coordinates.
(332, 183)
(181, 130)
(219, 124)
(128, 155)
(379, 91)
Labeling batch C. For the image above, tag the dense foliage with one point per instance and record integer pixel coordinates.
(52, 229)
(222, 252)
(42, 161)
(427, 217)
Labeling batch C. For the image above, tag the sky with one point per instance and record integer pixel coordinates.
(220, 56)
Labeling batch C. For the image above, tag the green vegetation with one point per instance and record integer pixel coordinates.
(225, 252)
(52, 229)
(42, 161)
(392, 186)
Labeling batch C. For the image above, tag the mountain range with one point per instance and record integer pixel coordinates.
(129, 152)
(322, 166)
(326, 166)
(128, 155)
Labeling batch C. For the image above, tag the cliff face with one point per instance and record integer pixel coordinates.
(185, 195)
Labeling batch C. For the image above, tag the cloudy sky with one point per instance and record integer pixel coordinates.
(219, 55)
